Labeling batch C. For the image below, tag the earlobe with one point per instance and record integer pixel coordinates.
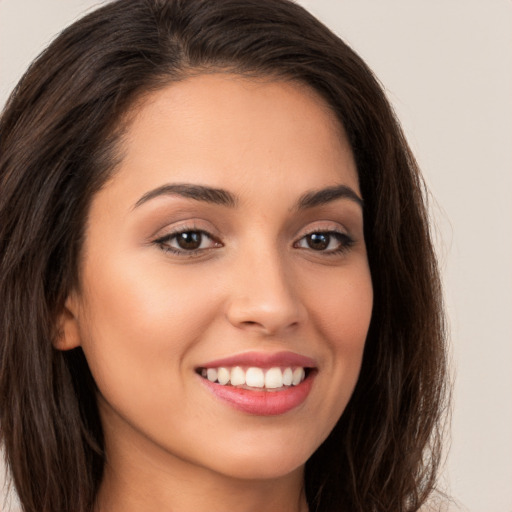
(68, 333)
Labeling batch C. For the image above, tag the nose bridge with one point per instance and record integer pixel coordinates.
(263, 296)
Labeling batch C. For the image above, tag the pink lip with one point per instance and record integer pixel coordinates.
(263, 360)
(262, 402)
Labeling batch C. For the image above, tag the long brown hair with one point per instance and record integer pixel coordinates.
(58, 140)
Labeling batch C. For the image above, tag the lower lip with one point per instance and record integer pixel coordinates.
(263, 403)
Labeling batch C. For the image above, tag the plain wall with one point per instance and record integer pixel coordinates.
(447, 68)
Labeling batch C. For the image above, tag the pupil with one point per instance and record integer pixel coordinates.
(318, 241)
(190, 240)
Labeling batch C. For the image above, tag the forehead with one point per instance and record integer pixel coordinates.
(217, 127)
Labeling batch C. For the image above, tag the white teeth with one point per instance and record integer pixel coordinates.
(274, 378)
(211, 374)
(287, 377)
(223, 375)
(253, 377)
(237, 376)
(298, 376)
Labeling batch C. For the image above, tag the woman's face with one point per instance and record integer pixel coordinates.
(228, 245)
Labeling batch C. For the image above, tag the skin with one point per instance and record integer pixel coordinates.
(146, 317)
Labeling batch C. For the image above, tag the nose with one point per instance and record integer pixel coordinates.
(264, 296)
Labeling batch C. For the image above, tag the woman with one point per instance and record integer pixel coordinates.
(218, 285)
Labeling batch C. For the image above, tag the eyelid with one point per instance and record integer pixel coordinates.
(324, 226)
(182, 225)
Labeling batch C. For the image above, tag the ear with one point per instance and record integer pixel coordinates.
(68, 332)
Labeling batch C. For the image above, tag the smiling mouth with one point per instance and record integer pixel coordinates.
(259, 383)
(256, 378)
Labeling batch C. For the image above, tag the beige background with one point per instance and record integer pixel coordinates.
(447, 68)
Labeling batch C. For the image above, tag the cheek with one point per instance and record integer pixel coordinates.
(340, 306)
(340, 311)
(139, 317)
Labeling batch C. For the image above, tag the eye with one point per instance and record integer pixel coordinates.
(187, 242)
(331, 242)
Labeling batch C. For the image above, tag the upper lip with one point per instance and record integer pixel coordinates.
(263, 360)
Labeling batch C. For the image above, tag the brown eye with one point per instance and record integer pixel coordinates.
(189, 241)
(328, 242)
(318, 241)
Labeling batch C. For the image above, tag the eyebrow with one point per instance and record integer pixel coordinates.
(224, 198)
(197, 192)
(327, 195)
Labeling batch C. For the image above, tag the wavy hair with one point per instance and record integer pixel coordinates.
(58, 138)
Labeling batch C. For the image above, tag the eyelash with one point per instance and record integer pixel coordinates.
(344, 240)
(164, 241)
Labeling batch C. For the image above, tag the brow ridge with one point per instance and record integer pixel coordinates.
(223, 197)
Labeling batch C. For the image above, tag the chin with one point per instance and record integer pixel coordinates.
(265, 462)
(263, 469)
